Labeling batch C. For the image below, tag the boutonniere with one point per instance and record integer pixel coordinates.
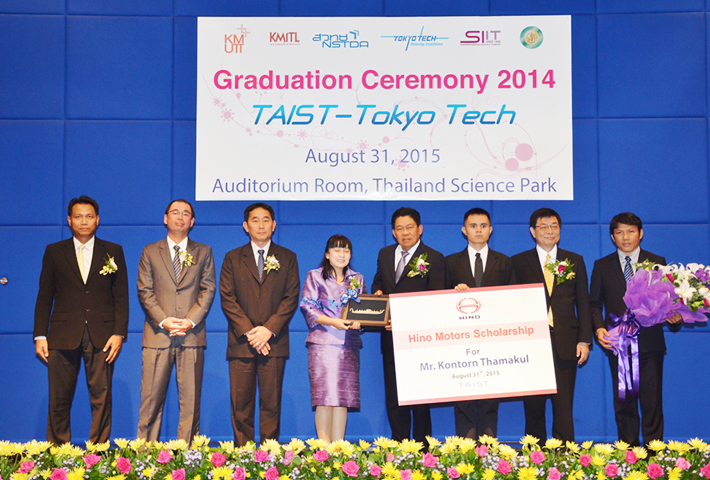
(419, 266)
(561, 269)
(109, 266)
(646, 265)
(271, 264)
(354, 287)
(185, 258)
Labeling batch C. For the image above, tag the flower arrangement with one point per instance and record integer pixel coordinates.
(271, 264)
(109, 266)
(561, 269)
(419, 267)
(385, 459)
(185, 258)
(354, 288)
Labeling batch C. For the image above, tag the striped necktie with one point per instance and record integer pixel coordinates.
(628, 269)
(176, 262)
(260, 264)
(549, 281)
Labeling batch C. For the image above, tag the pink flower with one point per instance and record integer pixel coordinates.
(91, 460)
(389, 457)
(429, 460)
(537, 457)
(58, 474)
(682, 463)
(704, 471)
(375, 470)
(239, 474)
(482, 450)
(585, 459)
(504, 467)
(554, 474)
(288, 456)
(611, 469)
(654, 470)
(272, 474)
(351, 468)
(218, 459)
(27, 467)
(561, 269)
(705, 301)
(406, 474)
(164, 456)
(261, 456)
(452, 472)
(321, 455)
(631, 457)
(124, 465)
(179, 474)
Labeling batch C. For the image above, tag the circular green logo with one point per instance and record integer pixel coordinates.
(531, 37)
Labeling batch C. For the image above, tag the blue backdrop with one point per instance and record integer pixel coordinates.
(97, 97)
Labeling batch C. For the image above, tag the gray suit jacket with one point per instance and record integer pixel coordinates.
(162, 296)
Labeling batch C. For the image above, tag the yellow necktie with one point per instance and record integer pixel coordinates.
(549, 281)
(80, 259)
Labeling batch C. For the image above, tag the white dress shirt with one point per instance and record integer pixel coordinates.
(472, 257)
(542, 255)
(634, 258)
(398, 255)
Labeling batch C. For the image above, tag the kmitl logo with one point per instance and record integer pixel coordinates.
(283, 37)
(482, 37)
(468, 306)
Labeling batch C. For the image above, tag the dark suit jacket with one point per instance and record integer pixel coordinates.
(435, 279)
(65, 304)
(607, 291)
(498, 271)
(247, 303)
(569, 300)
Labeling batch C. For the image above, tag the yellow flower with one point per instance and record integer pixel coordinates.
(675, 473)
(572, 447)
(698, 444)
(488, 474)
(636, 476)
(149, 472)
(117, 477)
(601, 476)
(553, 443)
(248, 475)
(506, 451)
(200, 441)
(5, 450)
(529, 440)
(410, 446)
(337, 465)
(465, 468)
(102, 447)
(656, 445)
(296, 445)
(227, 447)
(417, 475)
(178, 444)
(120, 442)
(433, 442)
(598, 460)
(222, 473)
(640, 452)
(136, 444)
(448, 448)
(675, 446)
(579, 475)
(284, 477)
(488, 440)
(19, 476)
(262, 474)
(389, 470)
(197, 477)
(342, 446)
(436, 475)
(45, 473)
(621, 445)
(35, 448)
(313, 469)
(77, 474)
(317, 444)
(527, 473)
(467, 444)
(364, 445)
(271, 446)
(604, 448)
(587, 445)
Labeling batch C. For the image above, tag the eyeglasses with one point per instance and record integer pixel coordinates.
(408, 229)
(178, 213)
(548, 228)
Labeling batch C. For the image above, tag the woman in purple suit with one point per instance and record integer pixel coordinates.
(333, 344)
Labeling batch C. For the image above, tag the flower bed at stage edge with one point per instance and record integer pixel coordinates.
(385, 459)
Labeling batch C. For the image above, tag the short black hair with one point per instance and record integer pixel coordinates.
(336, 241)
(476, 211)
(627, 218)
(254, 206)
(83, 200)
(192, 210)
(406, 212)
(544, 213)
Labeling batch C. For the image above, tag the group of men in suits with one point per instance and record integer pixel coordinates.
(82, 312)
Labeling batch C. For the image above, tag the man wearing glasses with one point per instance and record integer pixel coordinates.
(569, 317)
(176, 285)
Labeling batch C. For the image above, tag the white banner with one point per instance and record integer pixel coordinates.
(487, 342)
(406, 108)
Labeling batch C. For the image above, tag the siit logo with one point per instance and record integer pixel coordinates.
(233, 43)
(284, 38)
(531, 37)
(486, 38)
(348, 40)
(468, 306)
(420, 40)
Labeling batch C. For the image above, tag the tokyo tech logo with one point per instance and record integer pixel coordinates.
(531, 37)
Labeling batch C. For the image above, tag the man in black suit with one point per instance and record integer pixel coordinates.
(477, 266)
(569, 317)
(607, 292)
(81, 312)
(393, 268)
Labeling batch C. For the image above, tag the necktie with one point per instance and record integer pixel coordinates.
(260, 264)
(400, 266)
(549, 280)
(176, 262)
(628, 270)
(80, 260)
(478, 270)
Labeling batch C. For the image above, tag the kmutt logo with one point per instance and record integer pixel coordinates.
(468, 306)
(235, 42)
(420, 40)
(349, 40)
(488, 38)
